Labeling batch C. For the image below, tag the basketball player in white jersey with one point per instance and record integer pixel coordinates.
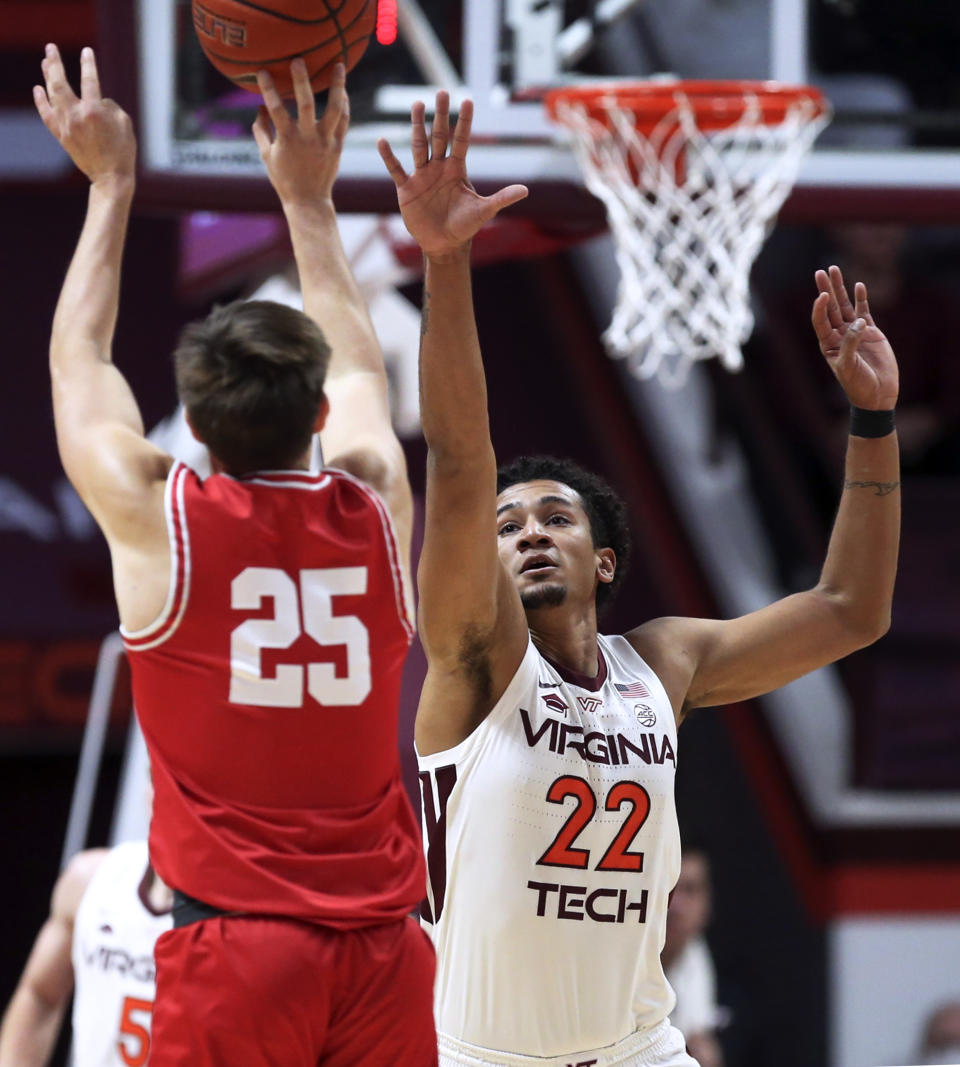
(107, 911)
(547, 752)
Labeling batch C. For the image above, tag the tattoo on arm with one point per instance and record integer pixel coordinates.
(882, 488)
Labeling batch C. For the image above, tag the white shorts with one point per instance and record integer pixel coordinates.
(661, 1046)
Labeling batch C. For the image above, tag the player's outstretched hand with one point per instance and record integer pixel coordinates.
(440, 207)
(857, 352)
(97, 134)
(302, 155)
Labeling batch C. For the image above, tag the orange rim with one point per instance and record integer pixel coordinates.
(714, 104)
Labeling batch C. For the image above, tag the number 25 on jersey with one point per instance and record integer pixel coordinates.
(307, 608)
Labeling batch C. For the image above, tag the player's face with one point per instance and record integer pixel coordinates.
(545, 543)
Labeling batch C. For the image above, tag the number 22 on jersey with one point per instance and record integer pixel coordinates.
(306, 608)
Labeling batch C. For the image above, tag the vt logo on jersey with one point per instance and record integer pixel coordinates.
(556, 703)
(590, 704)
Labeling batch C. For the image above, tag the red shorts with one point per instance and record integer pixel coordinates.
(252, 992)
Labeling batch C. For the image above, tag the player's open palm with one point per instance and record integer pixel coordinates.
(302, 154)
(97, 134)
(857, 352)
(440, 207)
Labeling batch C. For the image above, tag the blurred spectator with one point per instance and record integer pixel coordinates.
(687, 962)
(928, 414)
(941, 1035)
(803, 389)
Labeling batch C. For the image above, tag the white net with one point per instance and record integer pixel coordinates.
(689, 210)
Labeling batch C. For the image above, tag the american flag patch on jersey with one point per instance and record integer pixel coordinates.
(634, 689)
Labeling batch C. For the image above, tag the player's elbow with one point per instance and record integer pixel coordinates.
(878, 627)
(381, 468)
(860, 621)
(866, 632)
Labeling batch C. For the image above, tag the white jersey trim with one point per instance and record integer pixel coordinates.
(662, 1045)
(173, 506)
(393, 552)
(317, 482)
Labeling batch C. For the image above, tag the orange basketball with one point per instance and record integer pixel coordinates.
(241, 37)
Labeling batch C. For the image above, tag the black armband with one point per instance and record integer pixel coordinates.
(865, 423)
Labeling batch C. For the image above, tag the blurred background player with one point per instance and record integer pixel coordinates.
(264, 612)
(536, 736)
(687, 962)
(107, 910)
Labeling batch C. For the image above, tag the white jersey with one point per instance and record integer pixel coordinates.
(552, 846)
(113, 938)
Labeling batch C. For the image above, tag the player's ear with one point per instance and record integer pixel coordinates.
(322, 412)
(606, 565)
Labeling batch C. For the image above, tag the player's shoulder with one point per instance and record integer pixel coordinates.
(669, 635)
(671, 647)
(127, 490)
(350, 483)
(356, 499)
(128, 854)
(74, 880)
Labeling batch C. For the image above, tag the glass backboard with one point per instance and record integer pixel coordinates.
(888, 68)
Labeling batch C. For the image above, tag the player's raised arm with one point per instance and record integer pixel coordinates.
(32, 1020)
(302, 156)
(720, 662)
(471, 621)
(99, 429)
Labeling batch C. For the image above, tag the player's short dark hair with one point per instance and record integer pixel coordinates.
(250, 376)
(605, 510)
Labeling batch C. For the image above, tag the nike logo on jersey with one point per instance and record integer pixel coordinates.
(548, 685)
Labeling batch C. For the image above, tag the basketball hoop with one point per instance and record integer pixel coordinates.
(692, 175)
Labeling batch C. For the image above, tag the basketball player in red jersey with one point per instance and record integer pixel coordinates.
(547, 751)
(265, 615)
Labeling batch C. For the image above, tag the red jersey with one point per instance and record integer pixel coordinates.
(267, 691)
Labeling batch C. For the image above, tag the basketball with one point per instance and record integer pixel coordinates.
(240, 37)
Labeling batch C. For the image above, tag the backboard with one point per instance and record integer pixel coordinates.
(886, 66)
(194, 122)
(890, 71)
